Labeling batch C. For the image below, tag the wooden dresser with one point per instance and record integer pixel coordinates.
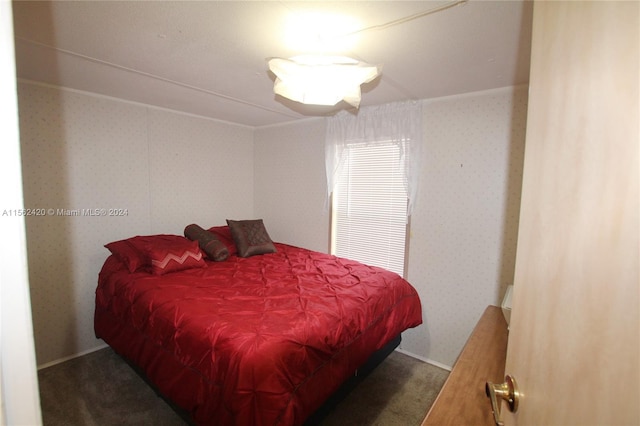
(462, 400)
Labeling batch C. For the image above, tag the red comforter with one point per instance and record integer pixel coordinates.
(262, 340)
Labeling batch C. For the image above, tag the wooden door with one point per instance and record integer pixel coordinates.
(573, 343)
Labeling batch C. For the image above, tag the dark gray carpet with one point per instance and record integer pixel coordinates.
(101, 389)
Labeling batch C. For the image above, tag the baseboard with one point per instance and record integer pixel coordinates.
(70, 357)
(104, 345)
(427, 360)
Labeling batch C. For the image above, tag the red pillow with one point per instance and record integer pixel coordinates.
(127, 253)
(139, 252)
(170, 254)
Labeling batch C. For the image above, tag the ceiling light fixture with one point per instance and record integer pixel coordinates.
(321, 80)
(327, 80)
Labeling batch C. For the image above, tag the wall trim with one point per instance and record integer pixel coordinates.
(70, 357)
(126, 101)
(291, 122)
(423, 359)
(104, 345)
(477, 93)
(266, 126)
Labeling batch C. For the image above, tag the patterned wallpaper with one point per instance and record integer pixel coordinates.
(201, 171)
(464, 228)
(154, 170)
(290, 183)
(169, 169)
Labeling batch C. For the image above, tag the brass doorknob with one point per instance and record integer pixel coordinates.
(507, 391)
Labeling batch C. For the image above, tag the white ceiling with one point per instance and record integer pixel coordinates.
(209, 57)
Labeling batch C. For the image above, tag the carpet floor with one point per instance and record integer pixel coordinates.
(100, 389)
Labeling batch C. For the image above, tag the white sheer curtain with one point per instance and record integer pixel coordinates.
(400, 122)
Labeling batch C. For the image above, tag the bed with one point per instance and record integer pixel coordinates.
(237, 337)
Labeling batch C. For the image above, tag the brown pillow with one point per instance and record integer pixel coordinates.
(251, 237)
(208, 242)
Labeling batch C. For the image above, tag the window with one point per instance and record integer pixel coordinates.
(372, 161)
(369, 213)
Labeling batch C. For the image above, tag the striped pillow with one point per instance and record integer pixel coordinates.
(172, 256)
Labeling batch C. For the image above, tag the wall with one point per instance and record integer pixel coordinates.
(168, 169)
(290, 183)
(81, 151)
(464, 227)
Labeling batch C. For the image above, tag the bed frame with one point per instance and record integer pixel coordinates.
(316, 418)
(358, 376)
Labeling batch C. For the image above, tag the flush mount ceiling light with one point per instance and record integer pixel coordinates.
(326, 80)
(321, 80)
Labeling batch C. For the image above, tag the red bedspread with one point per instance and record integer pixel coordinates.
(262, 340)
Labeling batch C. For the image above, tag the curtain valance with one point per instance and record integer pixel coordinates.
(399, 123)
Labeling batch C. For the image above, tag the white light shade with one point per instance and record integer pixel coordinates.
(321, 80)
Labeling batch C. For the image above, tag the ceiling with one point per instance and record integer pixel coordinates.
(209, 57)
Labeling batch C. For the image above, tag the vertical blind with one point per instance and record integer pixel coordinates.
(370, 206)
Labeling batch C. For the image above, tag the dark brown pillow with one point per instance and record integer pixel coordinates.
(208, 242)
(251, 237)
